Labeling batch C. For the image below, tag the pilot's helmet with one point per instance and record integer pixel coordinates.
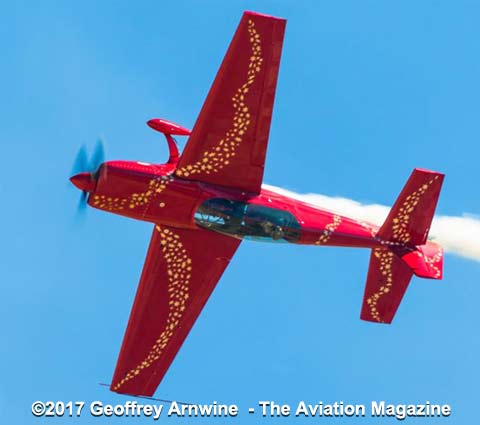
(224, 206)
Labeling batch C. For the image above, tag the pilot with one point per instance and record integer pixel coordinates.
(272, 230)
(229, 212)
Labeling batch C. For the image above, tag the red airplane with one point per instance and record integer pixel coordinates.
(206, 201)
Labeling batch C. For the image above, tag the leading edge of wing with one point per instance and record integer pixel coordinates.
(229, 141)
(181, 270)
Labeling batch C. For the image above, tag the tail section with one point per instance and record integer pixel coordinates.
(426, 261)
(411, 215)
(406, 250)
(387, 280)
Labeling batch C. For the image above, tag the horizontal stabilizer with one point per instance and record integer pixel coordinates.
(387, 280)
(410, 217)
(406, 250)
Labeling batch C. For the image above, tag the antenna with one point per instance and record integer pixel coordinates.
(161, 400)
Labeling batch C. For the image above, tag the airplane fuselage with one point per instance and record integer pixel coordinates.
(153, 193)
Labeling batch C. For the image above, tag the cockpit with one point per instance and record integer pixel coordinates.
(247, 221)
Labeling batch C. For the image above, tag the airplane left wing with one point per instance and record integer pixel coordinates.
(181, 270)
(228, 143)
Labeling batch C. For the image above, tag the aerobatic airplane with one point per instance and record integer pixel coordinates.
(204, 202)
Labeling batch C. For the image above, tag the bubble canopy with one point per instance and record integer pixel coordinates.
(247, 221)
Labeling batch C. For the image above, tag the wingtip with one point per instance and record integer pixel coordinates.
(263, 15)
(367, 317)
(426, 171)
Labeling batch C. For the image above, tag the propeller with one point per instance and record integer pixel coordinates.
(98, 156)
(85, 171)
(80, 163)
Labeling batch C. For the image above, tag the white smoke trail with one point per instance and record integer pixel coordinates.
(458, 235)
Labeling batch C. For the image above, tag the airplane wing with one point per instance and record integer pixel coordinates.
(228, 143)
(180, 272)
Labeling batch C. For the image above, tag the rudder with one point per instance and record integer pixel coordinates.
(425, 261)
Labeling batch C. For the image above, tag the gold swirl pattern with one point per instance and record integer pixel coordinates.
(220, 156)
(386, 261)
(179, 269)
(109, 203)
(329, 229)
(155, 186)
(400, 222)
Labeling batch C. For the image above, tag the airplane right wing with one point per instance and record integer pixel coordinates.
(182, 268)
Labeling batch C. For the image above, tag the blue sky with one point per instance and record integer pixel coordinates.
(367, 91)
